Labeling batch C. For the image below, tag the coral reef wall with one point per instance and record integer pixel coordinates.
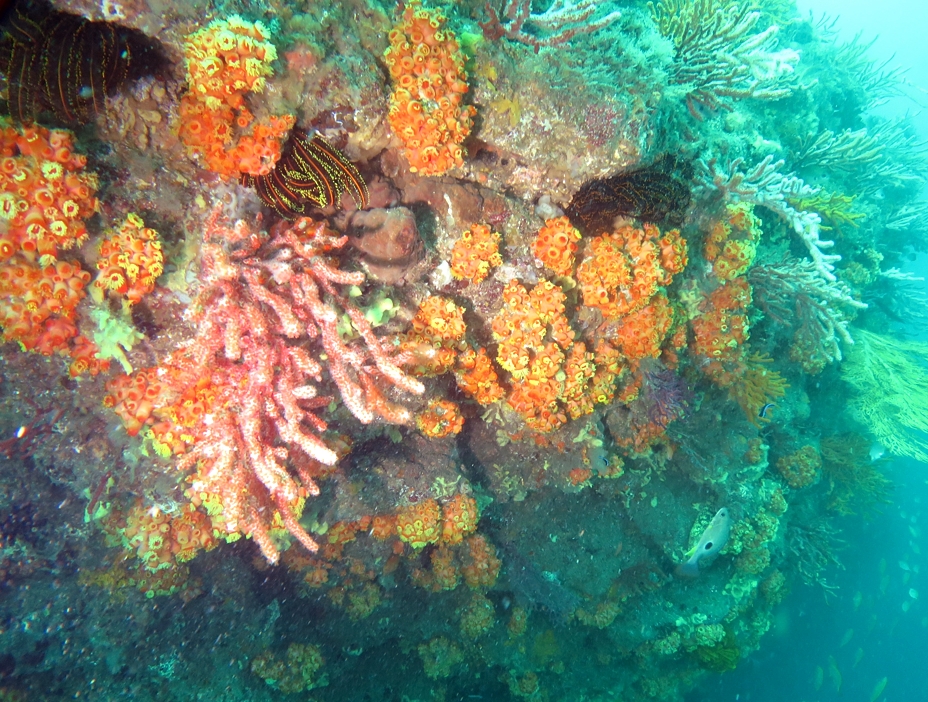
(416, 347)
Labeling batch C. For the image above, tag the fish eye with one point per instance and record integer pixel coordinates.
(709, 546)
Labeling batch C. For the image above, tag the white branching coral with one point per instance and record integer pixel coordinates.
(765, 185)
(717, 55)
(845, 151)
(794, 294)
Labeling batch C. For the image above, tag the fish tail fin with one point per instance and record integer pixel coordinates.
(690, 569)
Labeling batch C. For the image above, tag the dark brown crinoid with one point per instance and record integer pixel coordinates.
(310, 173)
(657, 193)
(65, 65)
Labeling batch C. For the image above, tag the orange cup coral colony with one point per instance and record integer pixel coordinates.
(460, 517)
(621, 271)
(440, 419)
(429, 81)
(732, 241)
(543, 370)
(130, 260)
(475, 253)
(45, 196)
(436, 336)
(420, 524)
(555, 245)
(225, 60)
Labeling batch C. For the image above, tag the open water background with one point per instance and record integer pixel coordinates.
(886, 558)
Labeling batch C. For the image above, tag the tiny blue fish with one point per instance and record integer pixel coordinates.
(766, 408)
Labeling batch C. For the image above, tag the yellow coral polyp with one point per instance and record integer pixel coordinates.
(58, 228)
(115, 281)
(52, 170)
(8, 208)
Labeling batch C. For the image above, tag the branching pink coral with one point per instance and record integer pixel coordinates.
(240, 399)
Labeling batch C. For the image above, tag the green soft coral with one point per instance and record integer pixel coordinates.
(890, 376)
(380, 310)
(114, 336)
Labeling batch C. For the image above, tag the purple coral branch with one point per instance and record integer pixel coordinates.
(668, 395)
(557, 25)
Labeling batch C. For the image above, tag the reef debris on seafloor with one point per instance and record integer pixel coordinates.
(595, 278)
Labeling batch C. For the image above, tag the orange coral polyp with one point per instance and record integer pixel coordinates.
(419, 49)
(419, 524)
(225, 60)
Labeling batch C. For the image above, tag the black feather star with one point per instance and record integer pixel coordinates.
(67, 65)
(311, 173)
(657, 193)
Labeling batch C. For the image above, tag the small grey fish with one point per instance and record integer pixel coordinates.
(712, 541)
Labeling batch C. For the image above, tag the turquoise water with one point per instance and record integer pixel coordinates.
(408, 352)
(887, 625)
